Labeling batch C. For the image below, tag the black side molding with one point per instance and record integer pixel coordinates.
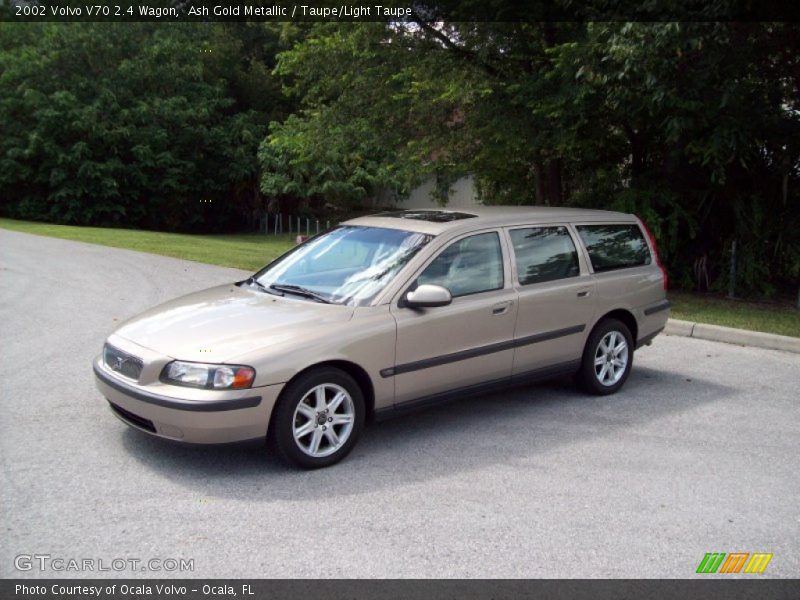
(480, 351)
(663, 305)
(166, 402)
(494, 385)
(548, 335)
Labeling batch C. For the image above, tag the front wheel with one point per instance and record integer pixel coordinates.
(318, 419)
(607, 358)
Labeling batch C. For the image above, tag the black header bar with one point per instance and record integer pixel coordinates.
(396, 10)
(734, 588)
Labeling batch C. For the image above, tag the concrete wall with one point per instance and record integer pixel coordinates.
(462, 195)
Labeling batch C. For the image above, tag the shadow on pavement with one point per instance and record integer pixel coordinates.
(498, 429)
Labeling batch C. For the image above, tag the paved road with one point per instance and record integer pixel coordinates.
(698, 453)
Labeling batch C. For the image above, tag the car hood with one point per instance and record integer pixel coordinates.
(220, 323)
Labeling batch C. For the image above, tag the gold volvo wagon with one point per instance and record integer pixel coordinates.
(388, 313)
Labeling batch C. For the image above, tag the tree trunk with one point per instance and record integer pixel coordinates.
(554, 191)
(538, 172)
(638, 152)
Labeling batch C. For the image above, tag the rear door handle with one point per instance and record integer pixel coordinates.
(584, 293)
(502, 307)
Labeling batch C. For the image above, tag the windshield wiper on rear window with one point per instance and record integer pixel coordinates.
(300, 291)
(261, 286)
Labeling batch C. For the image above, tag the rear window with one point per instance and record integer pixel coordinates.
(615, 246)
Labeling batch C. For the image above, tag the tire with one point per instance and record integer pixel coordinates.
(607, 377)
(305, 425)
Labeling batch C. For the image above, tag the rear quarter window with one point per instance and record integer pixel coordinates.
(615, 246)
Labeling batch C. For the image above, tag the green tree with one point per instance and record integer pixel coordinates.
(661, 119)
(135, 124)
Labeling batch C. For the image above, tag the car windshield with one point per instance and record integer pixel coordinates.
(348, 265)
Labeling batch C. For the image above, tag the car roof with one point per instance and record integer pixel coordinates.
(437, 221)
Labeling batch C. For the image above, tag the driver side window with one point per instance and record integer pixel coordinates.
(470, 265)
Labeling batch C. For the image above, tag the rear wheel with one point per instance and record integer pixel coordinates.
(318, 418)
(607, 358)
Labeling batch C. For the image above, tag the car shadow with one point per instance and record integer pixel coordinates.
(469, 434)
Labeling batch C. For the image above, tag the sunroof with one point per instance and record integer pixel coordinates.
(434, 216)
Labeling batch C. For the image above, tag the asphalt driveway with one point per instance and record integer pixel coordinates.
(698, 453)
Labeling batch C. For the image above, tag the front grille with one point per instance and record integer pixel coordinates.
(121, 362)
(133, 419)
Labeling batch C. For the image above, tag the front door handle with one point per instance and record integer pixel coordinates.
(502, 307)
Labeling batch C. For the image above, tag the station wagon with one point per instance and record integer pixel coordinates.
(388, 313)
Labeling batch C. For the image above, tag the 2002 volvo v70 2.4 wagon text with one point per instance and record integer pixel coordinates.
(385, 313)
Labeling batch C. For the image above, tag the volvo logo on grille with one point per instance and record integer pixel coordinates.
(122, 363)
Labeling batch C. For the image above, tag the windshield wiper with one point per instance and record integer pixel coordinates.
(300, 291)
(262, 287)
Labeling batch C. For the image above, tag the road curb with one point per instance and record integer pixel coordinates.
(729, 335)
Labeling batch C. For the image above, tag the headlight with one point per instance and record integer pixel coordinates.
(211, 377)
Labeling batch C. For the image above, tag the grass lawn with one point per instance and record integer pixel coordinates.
(783, 319)
(252, 251)
(243, 251)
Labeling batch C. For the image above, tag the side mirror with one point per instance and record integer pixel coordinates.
(428, 296)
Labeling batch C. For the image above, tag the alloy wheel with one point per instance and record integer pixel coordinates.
(323, 420)
(611, 358)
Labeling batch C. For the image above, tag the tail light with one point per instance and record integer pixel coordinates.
(654, 246)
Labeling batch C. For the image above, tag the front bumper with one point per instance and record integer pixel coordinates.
(196, 416)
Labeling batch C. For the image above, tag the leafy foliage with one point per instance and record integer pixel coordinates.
(661, 119)
(134, 125)
(693, 126)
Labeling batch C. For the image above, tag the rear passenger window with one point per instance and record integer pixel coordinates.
(544, 254)
(614, 246)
